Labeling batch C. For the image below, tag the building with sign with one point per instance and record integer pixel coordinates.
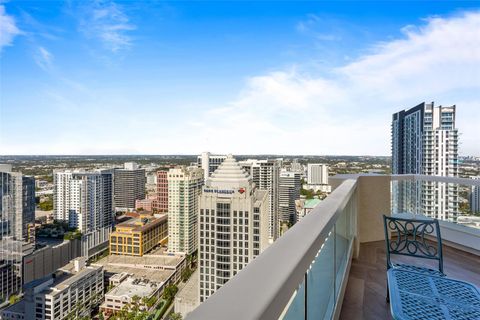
(184, 187)
(17, 208)
(234, 222)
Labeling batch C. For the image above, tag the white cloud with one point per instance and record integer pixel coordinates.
(295, 113)
(43, 58)
(8, 28)
(107, 22)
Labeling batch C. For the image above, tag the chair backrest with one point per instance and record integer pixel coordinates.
(411, 239)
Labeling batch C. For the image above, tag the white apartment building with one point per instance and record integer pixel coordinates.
(72, 292)
(184, 187)
(317, 174)
(85, 201)
(209, 163)
(425, 141)
(475, 197)
(233, 225)
(266, 176)
(289, 191)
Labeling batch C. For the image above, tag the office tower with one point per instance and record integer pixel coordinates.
(475, 197)
(317, 174)
(233, 225)
(425, 141)
(161, 202)
(129, 185)
(184, 187)
(17, 208)
(85, 201)
(266, 175)
(288, 191)
(209, 163)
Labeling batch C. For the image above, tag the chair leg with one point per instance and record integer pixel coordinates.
(388, 294)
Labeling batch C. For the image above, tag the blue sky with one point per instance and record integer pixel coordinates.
(105, 77)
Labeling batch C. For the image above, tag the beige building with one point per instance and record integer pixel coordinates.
(184, 187)
(137, 236)
(234, 225)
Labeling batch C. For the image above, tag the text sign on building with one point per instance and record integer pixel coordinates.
(218, 191)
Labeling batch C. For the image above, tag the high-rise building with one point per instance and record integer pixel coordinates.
(184, 187)
(425, 141)
(85, 201)
(233, 225)
(266, 175)
(209, 163)
(317, 174)
(475, 197)
(17, 208)
(161, 201)
(129, 185)
(288, 191)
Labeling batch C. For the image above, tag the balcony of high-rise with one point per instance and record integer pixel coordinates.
(332, 264)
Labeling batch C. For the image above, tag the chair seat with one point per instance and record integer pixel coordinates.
(421, 270)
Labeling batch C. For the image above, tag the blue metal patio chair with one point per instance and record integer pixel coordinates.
(410, 239)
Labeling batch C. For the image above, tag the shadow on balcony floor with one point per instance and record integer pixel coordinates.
(367, 282)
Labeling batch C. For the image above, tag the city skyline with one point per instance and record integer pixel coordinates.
(108, 77)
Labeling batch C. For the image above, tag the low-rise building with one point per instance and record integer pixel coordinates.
(137, 236)
(122, 295)
(71, 292)
(304, 206)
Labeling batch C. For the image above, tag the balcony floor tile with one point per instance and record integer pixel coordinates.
(367, 283)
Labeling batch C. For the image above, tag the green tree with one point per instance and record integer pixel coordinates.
(186, 273)
(46, 205)
(13, 299)
(175, 316)
(169, 292)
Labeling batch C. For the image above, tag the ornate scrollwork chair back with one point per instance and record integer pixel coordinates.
(410, 238)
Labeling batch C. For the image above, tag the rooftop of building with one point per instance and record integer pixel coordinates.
(229, 174)
(67, 275)
(18, 308)
(311, 203)
(143, 222)
(132, 286)
(165, 264)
